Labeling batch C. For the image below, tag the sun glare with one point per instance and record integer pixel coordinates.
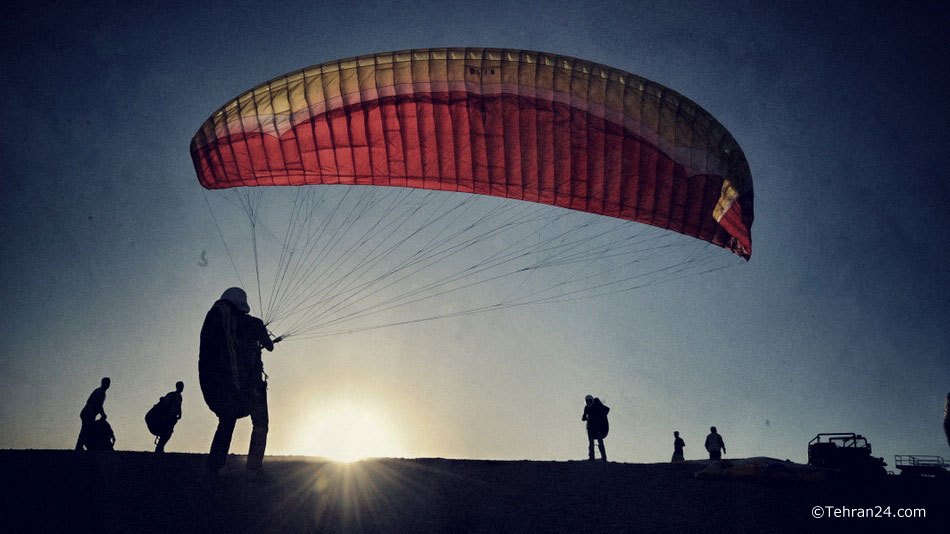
(349, 434)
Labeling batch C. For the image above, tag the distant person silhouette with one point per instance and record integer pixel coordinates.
(595, 413)
(167, 414)
(92, 409)
(230, 372)
(678, 445)
(946, 418)
(714, 444)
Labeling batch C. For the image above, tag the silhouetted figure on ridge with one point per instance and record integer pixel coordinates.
(164, 415)
(714, 444)
(230, 372)
(92, 409)
(678, 445)
(946, 418)
(595, 413)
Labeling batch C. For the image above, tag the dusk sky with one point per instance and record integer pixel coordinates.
(840, 322)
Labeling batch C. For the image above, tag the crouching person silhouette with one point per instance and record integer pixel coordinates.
(230, 372)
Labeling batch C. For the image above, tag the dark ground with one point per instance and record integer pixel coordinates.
(132, 492)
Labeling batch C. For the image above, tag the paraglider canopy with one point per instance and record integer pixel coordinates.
(509, 123)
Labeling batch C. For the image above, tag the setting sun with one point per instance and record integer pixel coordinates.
(348, 433)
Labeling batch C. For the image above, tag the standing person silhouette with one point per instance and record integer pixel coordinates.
(946, 418)
(678, 445)
(93, 408)
(171, 403)
(714, 444)
(595, 413)
(230, 372)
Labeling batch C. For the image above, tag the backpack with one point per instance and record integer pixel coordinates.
(157, 417)
(101, 438)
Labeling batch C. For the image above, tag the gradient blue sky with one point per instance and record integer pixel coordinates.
(840, 322)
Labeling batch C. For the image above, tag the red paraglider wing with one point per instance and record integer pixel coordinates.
(507, 123)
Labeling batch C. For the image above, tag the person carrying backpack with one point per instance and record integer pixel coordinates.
(230, 372)
(595, 413)
(164, 415)
(714, 444)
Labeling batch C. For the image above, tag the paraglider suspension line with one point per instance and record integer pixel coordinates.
(257, 268)
(221, 235)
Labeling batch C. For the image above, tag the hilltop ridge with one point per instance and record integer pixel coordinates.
(55, 491)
